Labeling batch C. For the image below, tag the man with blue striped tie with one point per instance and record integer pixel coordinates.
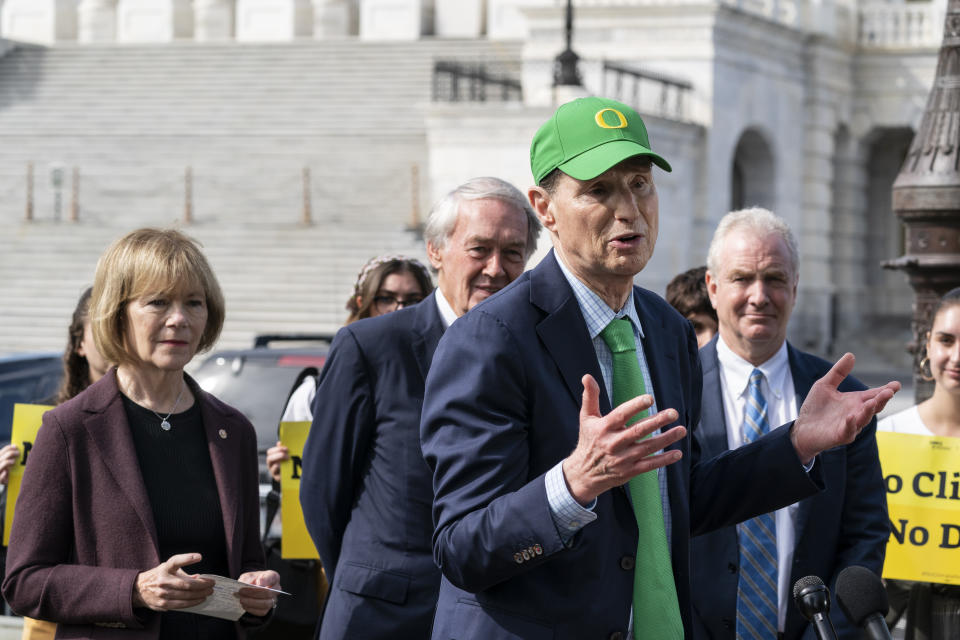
(754, 379)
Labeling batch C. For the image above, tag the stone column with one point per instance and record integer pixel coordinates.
(97, 21)
(153, 20)
(812, 317)
(849, 255)
(505, 19)
(331, 19)
(40, 21)
(273, 20)
(391, 19)
(212, 20)
(459, 18)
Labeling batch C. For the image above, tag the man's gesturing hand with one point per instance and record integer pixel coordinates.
(608, 452)
(830, 418)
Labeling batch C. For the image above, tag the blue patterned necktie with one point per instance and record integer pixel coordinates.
(757, 589)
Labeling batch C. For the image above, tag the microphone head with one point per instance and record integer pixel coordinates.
(860, 593)
(811, 596)
(803, 583)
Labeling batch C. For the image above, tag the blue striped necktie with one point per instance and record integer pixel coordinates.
(757, 589)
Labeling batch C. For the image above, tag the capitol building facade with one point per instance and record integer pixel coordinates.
(296, 138)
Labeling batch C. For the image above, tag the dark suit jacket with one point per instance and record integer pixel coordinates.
(501, 408)
(845, 525)
(365, 488)
(83, 526)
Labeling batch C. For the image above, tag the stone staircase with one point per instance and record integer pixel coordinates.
(285, 278)
(247, 120)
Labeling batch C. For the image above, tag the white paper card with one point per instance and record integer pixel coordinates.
(222, 603)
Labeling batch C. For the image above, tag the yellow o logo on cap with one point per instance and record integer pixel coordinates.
(600, 123)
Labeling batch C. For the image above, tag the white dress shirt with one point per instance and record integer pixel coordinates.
(447, 314)
(777, 387)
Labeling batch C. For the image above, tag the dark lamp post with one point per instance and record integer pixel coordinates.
(565, 72)
(926, 196)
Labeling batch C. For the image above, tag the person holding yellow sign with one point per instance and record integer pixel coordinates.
(933, 610)
(143, 476)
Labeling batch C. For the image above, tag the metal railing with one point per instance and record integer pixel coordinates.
(455, 81)
(649, 91)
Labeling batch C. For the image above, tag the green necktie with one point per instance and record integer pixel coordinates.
(656, 612)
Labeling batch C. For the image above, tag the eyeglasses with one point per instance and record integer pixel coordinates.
(389, 303)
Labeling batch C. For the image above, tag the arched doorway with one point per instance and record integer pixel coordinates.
(753, 173)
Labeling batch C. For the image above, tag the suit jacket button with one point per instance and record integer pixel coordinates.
(627, 563)
(526, 554)
(732, 568)
(518, 558)
(618, 635)
(537, 549)
(727, 623)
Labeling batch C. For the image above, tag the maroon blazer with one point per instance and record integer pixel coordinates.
(83, 526)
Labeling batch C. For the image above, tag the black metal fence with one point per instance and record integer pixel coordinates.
(652, 91)
(455, 81)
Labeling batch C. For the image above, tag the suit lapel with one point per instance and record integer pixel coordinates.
(712, 430)
(665, 377)
(427, 331)
(564, 331)
(661, 362)
(108, 428)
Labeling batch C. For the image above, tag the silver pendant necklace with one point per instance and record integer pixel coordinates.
(165, 420)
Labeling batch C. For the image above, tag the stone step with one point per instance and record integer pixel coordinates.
(246, 118)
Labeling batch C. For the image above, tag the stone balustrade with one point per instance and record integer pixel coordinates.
(870, 24)
(893, 26)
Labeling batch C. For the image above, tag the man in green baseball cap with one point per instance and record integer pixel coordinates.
(555, 419)
(595, 192)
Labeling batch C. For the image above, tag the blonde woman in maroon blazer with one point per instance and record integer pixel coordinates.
(143, 480)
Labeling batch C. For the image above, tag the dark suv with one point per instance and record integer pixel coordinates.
(258, 381)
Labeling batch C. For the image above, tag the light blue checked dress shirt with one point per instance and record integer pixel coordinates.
(568, 515)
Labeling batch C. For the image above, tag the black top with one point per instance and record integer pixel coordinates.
(179, 480)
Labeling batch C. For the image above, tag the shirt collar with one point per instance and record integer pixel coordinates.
(595, 311)
(736, 371)
(447, 314)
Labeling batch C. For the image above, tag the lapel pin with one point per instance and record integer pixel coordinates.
(223, 434)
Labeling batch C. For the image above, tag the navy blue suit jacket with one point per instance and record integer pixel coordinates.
(845, 525)
(502, 407)
(365, 489)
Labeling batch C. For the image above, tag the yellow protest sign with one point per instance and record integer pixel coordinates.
(922, 478)
(296, 542)
(26, 423)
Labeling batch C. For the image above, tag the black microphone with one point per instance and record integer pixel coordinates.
(813, 600)
(863, 599)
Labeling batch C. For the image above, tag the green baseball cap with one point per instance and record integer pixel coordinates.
(586, 137)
